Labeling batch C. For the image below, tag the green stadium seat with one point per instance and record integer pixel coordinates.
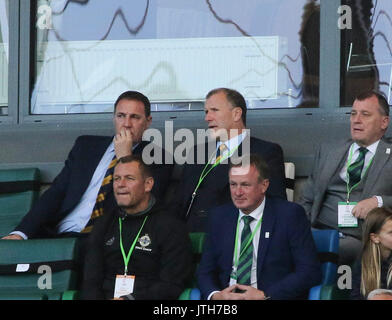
(197, 240)
(28, 256)
(19, 188)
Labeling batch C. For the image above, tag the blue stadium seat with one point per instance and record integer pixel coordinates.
(327, 244)
(197, 240)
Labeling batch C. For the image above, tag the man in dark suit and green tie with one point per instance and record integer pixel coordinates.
(257, 247)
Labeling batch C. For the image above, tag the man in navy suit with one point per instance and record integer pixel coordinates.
(260, 247)
(67, 206)
(225, 114)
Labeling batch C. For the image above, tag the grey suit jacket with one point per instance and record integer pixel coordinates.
(329, 156)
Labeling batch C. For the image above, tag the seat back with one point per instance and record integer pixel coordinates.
(197, 241)
(289, 171)
(327, 244)
(19, 188)
(40, 268)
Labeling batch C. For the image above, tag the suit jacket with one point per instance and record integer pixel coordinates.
(214, 190)
(287, 263)
(69, 186)
(326, 164)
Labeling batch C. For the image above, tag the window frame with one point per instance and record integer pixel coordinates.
(13, 64)
(329, 95)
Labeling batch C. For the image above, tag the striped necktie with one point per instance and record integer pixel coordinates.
(354, 171)
(246, 258)
(220, 152)
(103, 190)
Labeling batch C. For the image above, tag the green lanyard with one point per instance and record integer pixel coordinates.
(347, 177)
(236, 256)
(204, 174)
(126, 258)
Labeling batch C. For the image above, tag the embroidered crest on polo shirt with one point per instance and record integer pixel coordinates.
(109, 242)
(144, 242)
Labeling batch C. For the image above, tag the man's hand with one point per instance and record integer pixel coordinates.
(251, 293)
(228, 294)
(123, 143)
(363, 207)
(12, 237)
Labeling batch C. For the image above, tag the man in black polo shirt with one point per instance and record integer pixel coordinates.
(137, 251)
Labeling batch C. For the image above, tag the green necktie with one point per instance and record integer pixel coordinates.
(246, 259)
(354, 171)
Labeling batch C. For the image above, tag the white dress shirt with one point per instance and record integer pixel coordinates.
(368, 157)
(80, 215)
(257, 214)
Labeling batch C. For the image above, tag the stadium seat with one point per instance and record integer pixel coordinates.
(38, 269)
(327, 244)
(289, 170)
(197, 240)
(19, 188)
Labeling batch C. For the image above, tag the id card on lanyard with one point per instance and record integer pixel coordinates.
(124, 283)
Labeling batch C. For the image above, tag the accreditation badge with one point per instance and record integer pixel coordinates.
(124, 285)
(232, 281)
(345, 216)
(233, 277)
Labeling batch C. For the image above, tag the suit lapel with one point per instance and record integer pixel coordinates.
(229, 228)
(87, 163)
(331, 164)
(266, 233)
(139, 148)
(378, 163)
(94, 152)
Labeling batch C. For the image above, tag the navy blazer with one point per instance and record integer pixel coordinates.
(287, 263)
(215, 190)
(69, 186)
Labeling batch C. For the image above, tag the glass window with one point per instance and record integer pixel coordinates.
(367, 49)
(174, 51)
(4, 33)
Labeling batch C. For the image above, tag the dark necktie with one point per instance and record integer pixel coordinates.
(246, 259)
(354, 171)
(103, 190)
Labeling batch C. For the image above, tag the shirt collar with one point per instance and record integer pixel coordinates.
(233, 142)
(372, 148)
(111, 147)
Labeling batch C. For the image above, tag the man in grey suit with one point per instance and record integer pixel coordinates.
(351, 178)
